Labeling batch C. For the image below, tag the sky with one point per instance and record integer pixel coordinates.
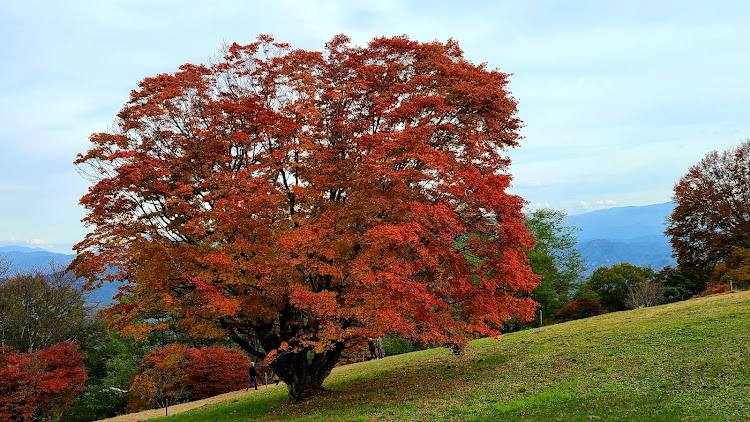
(618, 99)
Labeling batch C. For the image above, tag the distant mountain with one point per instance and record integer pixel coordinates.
(24, 260)
(16, 248)
(624, 234)
(622, 223)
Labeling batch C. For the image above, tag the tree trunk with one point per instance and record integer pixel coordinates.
(304, 374)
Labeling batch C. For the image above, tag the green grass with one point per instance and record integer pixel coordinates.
(679, 362)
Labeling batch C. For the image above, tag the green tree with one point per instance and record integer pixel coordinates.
(38, 310)
(614, 285)
(679, 284)
(555, 258)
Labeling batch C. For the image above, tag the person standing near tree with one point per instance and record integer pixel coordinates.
(371, 347)
(253, 376)
(379, 345)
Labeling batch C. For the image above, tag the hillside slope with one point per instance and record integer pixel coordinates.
(683, 361)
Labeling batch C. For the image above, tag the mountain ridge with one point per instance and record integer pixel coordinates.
(633, 234)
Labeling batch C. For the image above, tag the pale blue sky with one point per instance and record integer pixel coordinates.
(618, 98)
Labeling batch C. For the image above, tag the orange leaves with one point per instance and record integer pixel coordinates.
(304, 198)
(162, 378)
(171, 374)
(320, 305)
(712, 212)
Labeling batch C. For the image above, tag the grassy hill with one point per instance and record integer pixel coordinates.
(684, 361)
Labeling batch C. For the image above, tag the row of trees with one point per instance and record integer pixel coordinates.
(565, 293)
(710, 235)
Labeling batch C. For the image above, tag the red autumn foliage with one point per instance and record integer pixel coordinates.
(41, 383)
(161, 379)
(215, 370)
(303, 200)
(176, 373)
(710, 224)
(715, 289)
(736, 269)
(581, 308)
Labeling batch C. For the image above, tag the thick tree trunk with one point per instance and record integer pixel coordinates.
(304, 386)
(304, 374)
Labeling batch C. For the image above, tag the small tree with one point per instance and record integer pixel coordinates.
(177, 372)
(581, 308)
(679, 284)
(39, 310)
(555, 258)
(735, 270)
(643, 295)
(215, 370)
(162, 380)
(612, 285)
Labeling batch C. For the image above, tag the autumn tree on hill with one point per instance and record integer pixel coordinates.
(178, 373)
(710, 225)
(162, 379)
(298, 201)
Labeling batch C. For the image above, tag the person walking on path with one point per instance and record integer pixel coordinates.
(371, 347)
(253, 376)
(379, 345)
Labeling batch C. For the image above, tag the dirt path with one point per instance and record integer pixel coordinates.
(183, 407)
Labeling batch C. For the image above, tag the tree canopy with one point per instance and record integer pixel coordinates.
(39, 310)
(710, 224)
(39, 385)
(615, 286)
(297, 201)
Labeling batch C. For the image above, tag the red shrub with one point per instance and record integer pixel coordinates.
(172, 374)
(214, 370)
(39, 383)
(715, 289)
(581, 308)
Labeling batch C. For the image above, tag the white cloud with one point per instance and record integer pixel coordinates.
(597, 205)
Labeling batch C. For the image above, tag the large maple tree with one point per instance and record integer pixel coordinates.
(710, 224)
(297, 201)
